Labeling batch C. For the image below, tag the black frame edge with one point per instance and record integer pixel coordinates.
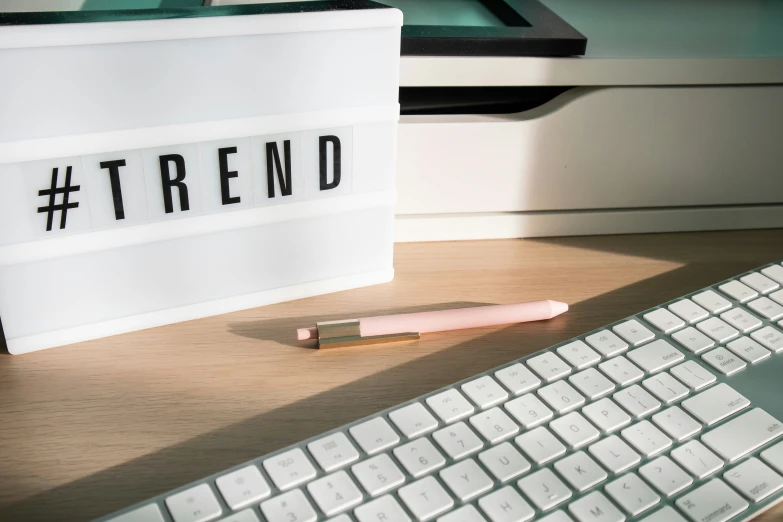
(546, 35)
(3, 342)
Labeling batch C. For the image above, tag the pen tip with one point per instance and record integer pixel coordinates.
(558, 307)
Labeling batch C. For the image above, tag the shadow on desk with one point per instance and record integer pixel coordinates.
(136, 480)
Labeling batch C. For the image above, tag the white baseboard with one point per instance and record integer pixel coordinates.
(500, 225)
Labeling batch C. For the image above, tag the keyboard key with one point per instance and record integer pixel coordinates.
(774, 456)
(713, 502)
(578, 354)
(697, 459)
(717, 329)
(247, 516)
(749, 349)
(506, 505)
(148, 513)
(413, 420)
(777, 296)
(419, 457)
(740, 436)
(607, 415)
(693, 375)
(774, 272)
(485, 392)
(334, 493)
(384, 509)
(425, 498)
(676, 423)
(689, 311)
(544, 489)
(518, 379)
(450, 405)
(458, 440)
(664, 320)
(289, 507)
(557, 516)
(378, 474)
(741, 320)
(666, 514)
(712, 301)
(561, 396)
(665, 476)
(549, 366)
(467, 513)
(632, 494)
(646, 438)
(374, 435)
(621, 370)
(715, 404)
(580, 471)
(656, 356)
(528, 410)
(289, 469)
(693, 339)
(754, 479)
(665, 387)
(607, 343)
(767, 307)
(540, 445)
(197, 504)
(769, 337)
(574, 429)
(504, 462)
(333, 451)
(466, 479)
(595, 507)
(633, 332)
(724, 361)
(592, 383)
(614, 454)
(242, 487)
(739, 291)
(636, 401)
(494, 425)
(761, 283)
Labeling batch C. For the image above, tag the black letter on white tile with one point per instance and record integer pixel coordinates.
(168, 183)
(283, 176)
(116, 186)
(226, 174)
(322, 142)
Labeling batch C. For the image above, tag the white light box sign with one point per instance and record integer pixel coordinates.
(154, 171)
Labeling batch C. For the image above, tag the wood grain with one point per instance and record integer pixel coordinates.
(90, 428)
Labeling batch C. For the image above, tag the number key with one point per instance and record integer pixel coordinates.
(419, 457)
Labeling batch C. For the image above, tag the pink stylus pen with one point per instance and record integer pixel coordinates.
(388, 328)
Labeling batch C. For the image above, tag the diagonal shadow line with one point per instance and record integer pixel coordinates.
(147, 476)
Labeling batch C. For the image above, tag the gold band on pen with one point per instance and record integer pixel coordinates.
(337, 334)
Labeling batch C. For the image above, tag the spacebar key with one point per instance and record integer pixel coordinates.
(740, 436)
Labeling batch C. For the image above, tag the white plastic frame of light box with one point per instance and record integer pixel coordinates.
(136, 158)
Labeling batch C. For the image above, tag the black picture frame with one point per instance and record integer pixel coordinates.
(532, 29)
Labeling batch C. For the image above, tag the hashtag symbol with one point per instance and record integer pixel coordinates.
(52, 192)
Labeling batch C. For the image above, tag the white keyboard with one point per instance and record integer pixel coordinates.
(671, 415)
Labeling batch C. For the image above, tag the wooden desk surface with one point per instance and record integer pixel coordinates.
(94, 427)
